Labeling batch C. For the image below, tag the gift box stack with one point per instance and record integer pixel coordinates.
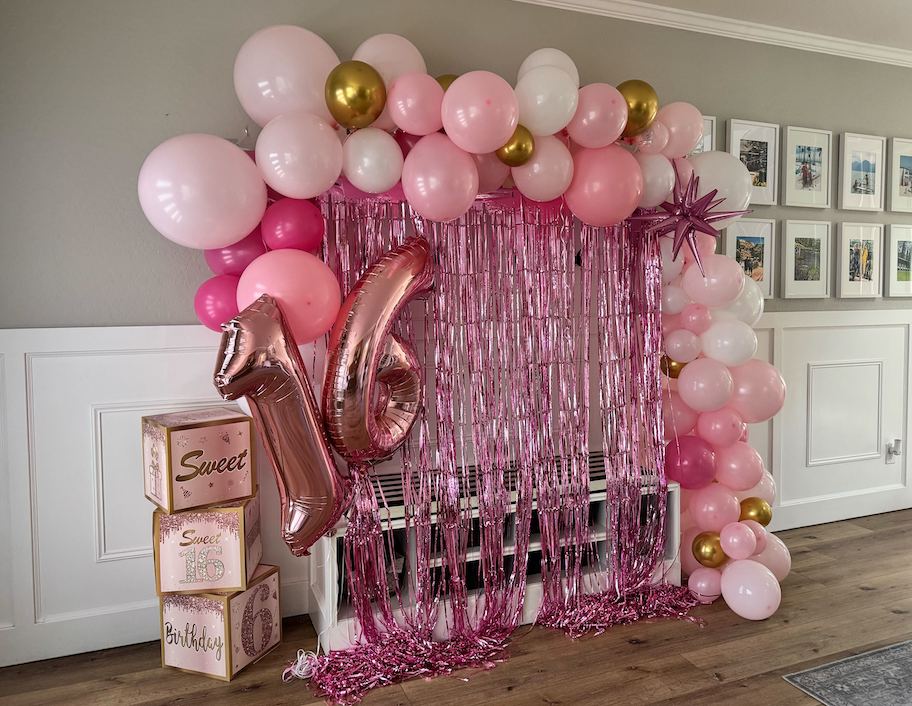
(219, 604)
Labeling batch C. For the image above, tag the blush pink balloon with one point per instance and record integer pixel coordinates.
(689, 563)
(392, 55)
(718, 285)
(713, 507)
(775, 556)
(492, 173)
(759, 391)
(765, 488)
(548, 172)
(738, 540)
(684, 168)
(299, 155)
(750, 589)
(671, 322)
(216, 301)
(689, 461)
(306, 289)
(685, 128)
(738, 466)
(233, 259)
(677, 418)
(439, 179)
(653, 140)
(705, 385)
(607, 185)
(293, 223)
(479, 112)
(720, 428)
(759, 534)
(600, 117)
(682, 346)
(705, 584)
(406, 141)
(414, 102)
(696, 318)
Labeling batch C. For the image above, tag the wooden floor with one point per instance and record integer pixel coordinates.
(850, 591)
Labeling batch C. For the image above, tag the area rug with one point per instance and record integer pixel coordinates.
(882, 677)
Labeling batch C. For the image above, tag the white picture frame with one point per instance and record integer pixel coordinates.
(900, 191)
(757, 145)
(858, 275)
(899, 260)
(751, 242)
(708, 141)
(862, 161)
(807, 158)
(806, 259)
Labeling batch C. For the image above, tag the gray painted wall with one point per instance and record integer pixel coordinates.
(89, 87)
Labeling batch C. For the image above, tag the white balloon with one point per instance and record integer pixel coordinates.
(748, 307)
(392, 56)
(372, 160)
(728, 175)
(547, 99)
(658, 178)
(674, 299)
(729, 341)
(549, 57)
(671, 267)
(548, 173)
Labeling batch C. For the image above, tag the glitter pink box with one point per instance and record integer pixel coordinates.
(198, 458)
(219, 634)
(214, 549)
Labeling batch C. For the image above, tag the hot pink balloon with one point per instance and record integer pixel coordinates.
(216, 301)
(765, 488)
(653, 140)
(682, 345)
(720, 428)
(440, 180)
(718, 285)
(713, 507)
(293, 223)
(601, 114)
(414, 102)
(705, 385)
(479, 112)
(548, 172)
(607, 185)
(299, 155)
(492, 173)
(759, 534)
(750, 589)
(696, 318)
(775, 556)
(689, 563)
(759, 391)
(705, 584)
(677, 418)
(738, 540)
(305, 288)
(738, 466)
(685, 128)
(689, 461)
(233, 259)
(406, 141)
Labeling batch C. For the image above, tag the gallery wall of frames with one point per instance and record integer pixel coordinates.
(794, 167)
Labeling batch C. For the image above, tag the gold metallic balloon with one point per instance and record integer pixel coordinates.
(446, 79)
(671, 368)
(756, 509)
(355, 94)
(707, 549)
(518, 149)
(642, 106)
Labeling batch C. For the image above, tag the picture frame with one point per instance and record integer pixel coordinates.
(900, 190)
(751, 242)
(757, 145)
(860, 256)
(807, 156)
(899, 260)
(806, 259)
(862, 159)
(708, 142)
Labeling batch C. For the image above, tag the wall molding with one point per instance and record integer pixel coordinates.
(690, 21)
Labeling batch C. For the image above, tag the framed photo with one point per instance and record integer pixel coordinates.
(751, 242)
(899, 261)
(859, 260)
(806, 158)
(900, 191)
(806, 261)
(757, 145)
(861, 172)
(708, 143)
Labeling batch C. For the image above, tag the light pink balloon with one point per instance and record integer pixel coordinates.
(705, 385)
(689, 563)
(201, 191)
(548, 173)
(671, 322)
(601, 114)
(720, 428)
(658, 179)
(713, 507)
(689, 461)
(233, 259)
(765, 488)
(479, 112)
(738, 466)
(293, 223)
(653, 140)
(775, 556)
(759, 391)
(299, 155)
(492, 173)
(414, 102)
(215, 301)
(685, 128)
(674, 299)
(696, 318)
(671, 266)
(306, 289)
(738, 540)
(759, 534)
(721, 284)
(682, 346)
(607, 186)
(392, 55)
(677, 418)
(705, 584)
(684, 168)
(750, 589)
(440, 181)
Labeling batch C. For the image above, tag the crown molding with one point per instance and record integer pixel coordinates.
(688, 20)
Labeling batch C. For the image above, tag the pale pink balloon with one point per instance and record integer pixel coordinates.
(201, 191)
(713, 507)
(689, 461)
(306, 289)
(750, 589)
(682, 346)
(696, 318)
(705, 584)
(414, 102)
(689, 562)
(658, 179)
(601, 114)
(677, 418)
(293, 223)
(299, 155)
(685, 128)
(738, 466)
(479, 112)
(759, 391)
(392, 55)
(759, 534)
(775, 556)
(607, 186)
(215, 301)
(548, 173)
(671, 322)
(440, 180)
(721, 428)
(492, 173)
(671, 266)
(738, 540)
(684, 168)
(765, 488)
(674, 299)
(233, 259)
(653, 140)
(719, 286)
(705, 385)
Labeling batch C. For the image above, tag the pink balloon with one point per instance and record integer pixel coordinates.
(738, 540)
(720, 428)
(775, 556)
(738, 466)
(696, 318)
(689, 563)
(293, 223)
(414, 102)
(233, 259)
(653, 140)
(606, 187)
(406, 141)
(677, 418)
(479, 112)
(689, 461)
(548, 173)
(492, 173)
(201, 191)
(759, 534)
(392, 55)
(705, 584)
(601, 114)
(713, 507)
(684, 168)
(299, 155)
(765, 488)
(705, 385)
(745, 435)
(685, 128)
(759, 391)
(682, 346)
(440, 181)
(306, 289)
(216, 301)
(719, 286)
(750, 589)
(671, 322)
